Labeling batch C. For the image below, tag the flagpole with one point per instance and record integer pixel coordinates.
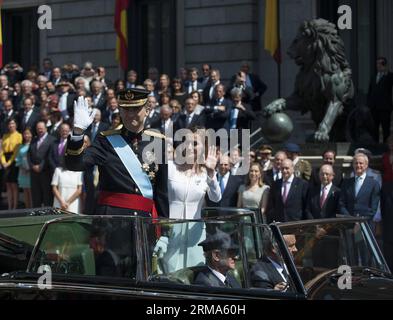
(279, 48)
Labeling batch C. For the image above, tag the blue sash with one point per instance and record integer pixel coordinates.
(132, 164)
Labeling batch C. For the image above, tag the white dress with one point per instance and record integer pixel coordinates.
(67, 182)
(186, 197)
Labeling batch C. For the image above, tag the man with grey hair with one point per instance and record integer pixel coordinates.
(241, 114)
(288, 197)
(323, 200)
(360, 194)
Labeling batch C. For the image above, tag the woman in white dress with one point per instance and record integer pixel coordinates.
(190, 177)
(254, 194)
(67, 188)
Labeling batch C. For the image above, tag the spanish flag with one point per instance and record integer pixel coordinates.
(121, 30)
(272, 29)
(1, 36)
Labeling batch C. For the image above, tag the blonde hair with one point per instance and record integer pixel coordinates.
(260, 181)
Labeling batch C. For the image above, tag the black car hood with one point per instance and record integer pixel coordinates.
(367, 284)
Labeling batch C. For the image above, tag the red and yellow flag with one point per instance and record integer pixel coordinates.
(1, 36)
(272, 29)
(121, 28)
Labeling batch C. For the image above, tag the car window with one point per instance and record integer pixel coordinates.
(89, 246)
(179, 257)
(325, 247)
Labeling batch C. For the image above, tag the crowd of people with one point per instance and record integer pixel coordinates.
(37, 117)
(37, 110)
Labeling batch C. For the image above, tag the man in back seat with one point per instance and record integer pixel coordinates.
(220, 252)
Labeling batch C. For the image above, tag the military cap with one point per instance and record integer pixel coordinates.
(132, 98)
(265, 149)
(292, 147)
(218, 241)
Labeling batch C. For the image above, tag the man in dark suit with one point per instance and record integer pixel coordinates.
(190, 118)
(165, 125)
(229, 185)
(56, 153)
(96, 127)
(28, 118)
(6, 114)
(98, 95)
(323, 200)
(66, 99)
(153, 118)
(275, 173)
(221, 252)
(379, 98)
(288, 198)
(240, 114)
(39, 164)
(360, 195)
(218, 113)
(387, 222)
(193, 84)
(256, 84)
(209, 91)
(329, 157)
(270, 272)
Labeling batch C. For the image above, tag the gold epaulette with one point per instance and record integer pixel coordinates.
(153, 133)
(74, 152)
(110, 132)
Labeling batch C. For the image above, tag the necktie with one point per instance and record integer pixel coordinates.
(39, 143)
(26, 118)
(233, 119)
(227, 284)
(323, 197)
(358, 185)
(94, 132)
(285, 193)
(379, 76)
(189, 118)
(222, 185)
(61, 147)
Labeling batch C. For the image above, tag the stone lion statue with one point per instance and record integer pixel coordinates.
(324, 82)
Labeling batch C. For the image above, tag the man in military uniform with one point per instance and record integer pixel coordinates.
(129, 175)
(303, 168)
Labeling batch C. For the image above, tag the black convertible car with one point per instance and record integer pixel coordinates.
(51, 254)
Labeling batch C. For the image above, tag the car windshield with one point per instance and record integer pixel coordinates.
(89, 246)
(320, 248)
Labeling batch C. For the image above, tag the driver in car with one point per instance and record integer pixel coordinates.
(221, 253)
(270, 272)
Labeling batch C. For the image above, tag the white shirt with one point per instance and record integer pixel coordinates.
(361, 181)
(235, 168)
(277, 174)
(328, 187)
(248, 81)
(219, 275)
(288, 183)
(279, 268)
(266, 165)
(193, 86)
(211, 92)
(96, 99)
(186, 194)
(225, 178)
(189, 117)
(27, 116)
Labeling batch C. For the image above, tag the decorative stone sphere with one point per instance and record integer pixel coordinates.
(277, 128)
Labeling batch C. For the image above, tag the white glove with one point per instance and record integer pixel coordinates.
(82, 117)
(161, 246)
